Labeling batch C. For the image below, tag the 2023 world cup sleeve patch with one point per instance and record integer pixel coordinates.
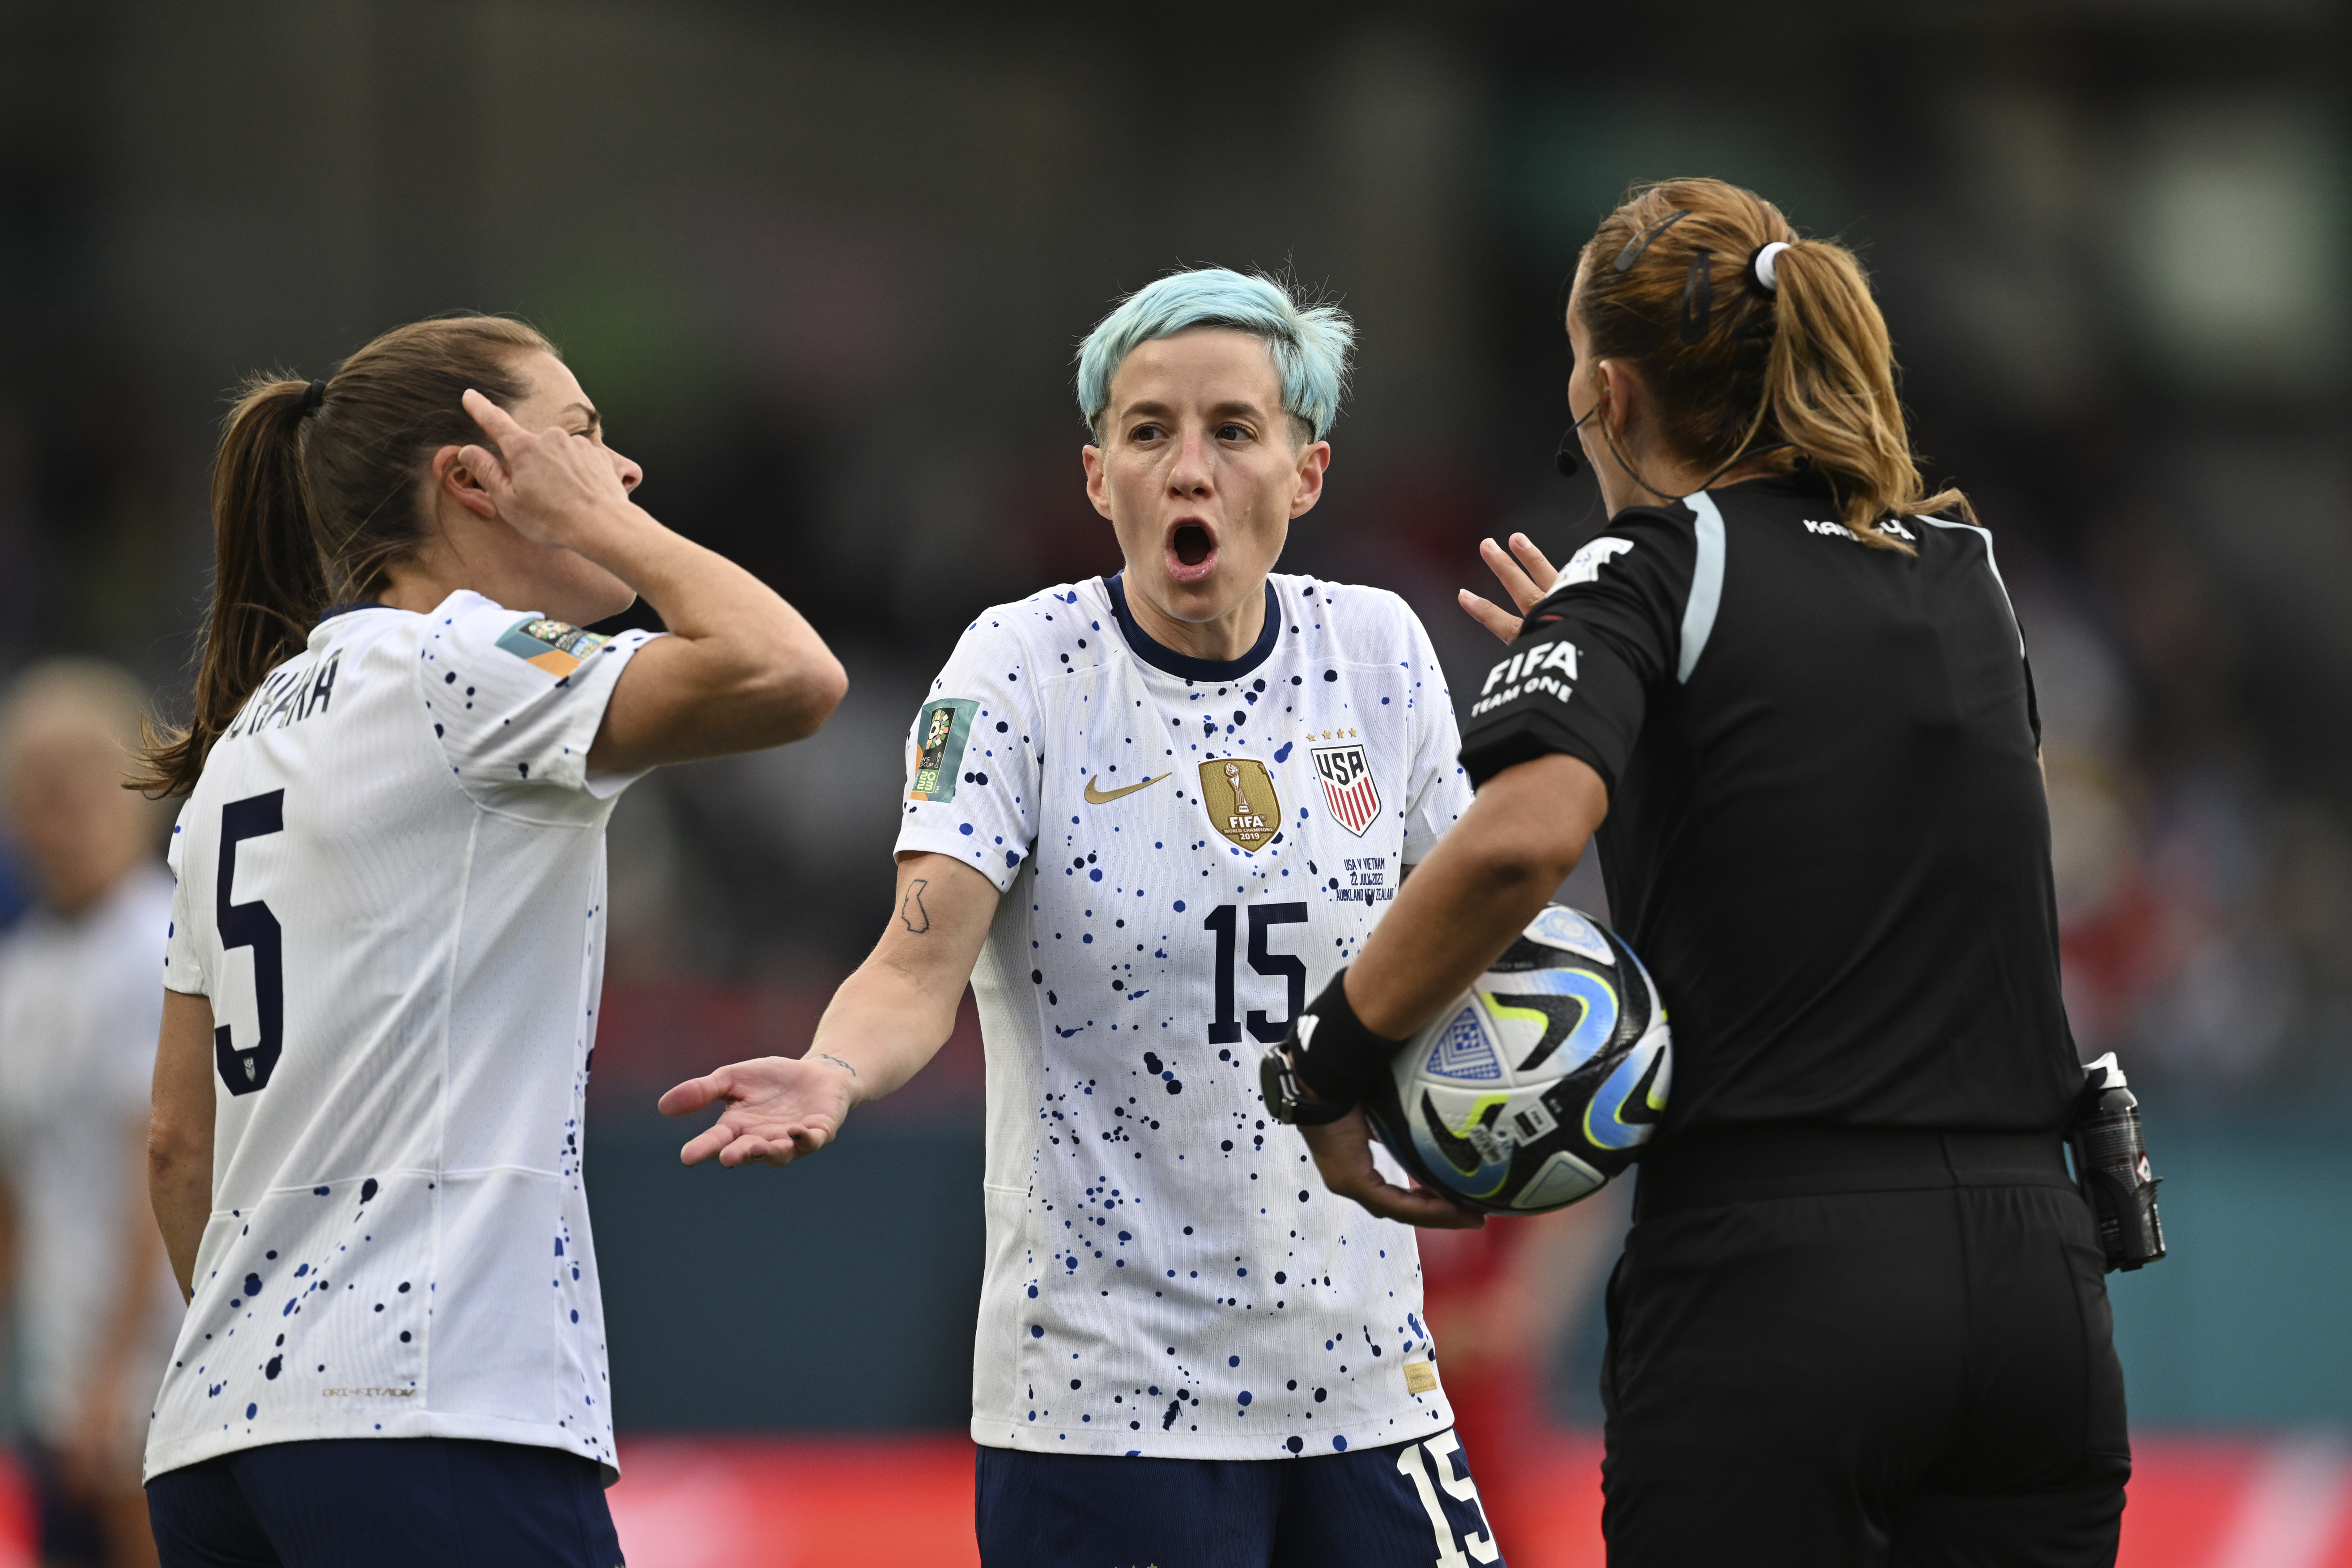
(940, 731)
(556, 646)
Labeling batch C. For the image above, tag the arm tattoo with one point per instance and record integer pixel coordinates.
(829, 1057)
(911, 913)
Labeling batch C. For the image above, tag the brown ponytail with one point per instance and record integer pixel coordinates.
(1736, 367)
(313, 499)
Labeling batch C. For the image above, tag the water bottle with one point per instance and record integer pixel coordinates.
(2111, 1166)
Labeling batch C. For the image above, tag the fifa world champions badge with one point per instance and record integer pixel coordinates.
(1347, 786)
(941, 731)
(1238, 794)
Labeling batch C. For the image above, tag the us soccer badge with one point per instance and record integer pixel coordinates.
(940, 731)
(1238, 793)
(1347, 787)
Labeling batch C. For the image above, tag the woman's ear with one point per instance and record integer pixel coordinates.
(1621, 399)
(454, 479)
(1314, 458)
(1097, 485)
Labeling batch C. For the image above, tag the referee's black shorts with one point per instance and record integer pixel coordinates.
(1833, 1349)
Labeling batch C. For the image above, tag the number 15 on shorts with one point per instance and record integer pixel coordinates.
(1416, 1462)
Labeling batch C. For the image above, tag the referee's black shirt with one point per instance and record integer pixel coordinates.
(1827, 836)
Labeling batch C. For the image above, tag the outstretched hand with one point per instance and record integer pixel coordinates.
(779, 1109)
(1527, 579)
(1343, 1153)
(546, 486)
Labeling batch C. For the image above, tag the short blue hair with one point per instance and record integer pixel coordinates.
(1311, 344)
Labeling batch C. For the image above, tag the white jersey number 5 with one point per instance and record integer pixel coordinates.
(251, 925)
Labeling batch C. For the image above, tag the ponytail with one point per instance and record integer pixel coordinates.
(316, 494)
(1830, 391)
(269, 583)
(1792, 357)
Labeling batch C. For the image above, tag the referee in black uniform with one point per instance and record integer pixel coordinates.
(1861, 1318)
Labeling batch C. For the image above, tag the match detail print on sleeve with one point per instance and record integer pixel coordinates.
(555, 647)
(940, 731)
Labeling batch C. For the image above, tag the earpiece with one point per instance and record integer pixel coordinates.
(1566, 459)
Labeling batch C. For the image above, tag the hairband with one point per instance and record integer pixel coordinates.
(1760, 266)
(1640, 243)
(312, 395)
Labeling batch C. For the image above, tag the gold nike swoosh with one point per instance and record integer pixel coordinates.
(1104, 797)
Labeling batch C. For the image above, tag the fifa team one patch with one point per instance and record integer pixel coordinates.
(940, 731)
(555, 647)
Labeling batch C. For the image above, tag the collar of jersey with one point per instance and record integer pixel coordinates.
(1161, 657)
(1804, 480)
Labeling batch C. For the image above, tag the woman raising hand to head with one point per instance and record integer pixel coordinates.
(387, 944)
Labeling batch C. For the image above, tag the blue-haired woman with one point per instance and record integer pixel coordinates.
(1146, 817)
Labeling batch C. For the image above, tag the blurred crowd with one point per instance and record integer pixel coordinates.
(2205, 902)
(836, 325)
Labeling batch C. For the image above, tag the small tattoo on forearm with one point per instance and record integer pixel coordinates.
(916, 917)
(829, 1057)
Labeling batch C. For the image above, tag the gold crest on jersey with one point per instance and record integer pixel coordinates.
(1238, 793)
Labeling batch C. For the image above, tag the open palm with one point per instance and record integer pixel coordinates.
(779, 1109)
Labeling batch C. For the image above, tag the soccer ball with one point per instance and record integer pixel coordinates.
(1543, 1082)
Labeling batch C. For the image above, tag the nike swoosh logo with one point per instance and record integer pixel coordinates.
(1104, 797)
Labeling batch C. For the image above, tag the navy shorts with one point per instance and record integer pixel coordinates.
(1410, 1505)
(384, 1503)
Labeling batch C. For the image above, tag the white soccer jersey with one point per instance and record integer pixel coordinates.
(1188, 851)
(77, 1013)
(392, 888)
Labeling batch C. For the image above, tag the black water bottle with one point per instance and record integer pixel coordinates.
(2111, 1165)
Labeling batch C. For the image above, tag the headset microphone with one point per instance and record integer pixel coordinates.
(1566, 459)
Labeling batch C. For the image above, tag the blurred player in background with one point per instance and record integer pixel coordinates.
(1145, 816)
(387, 944)
(79, 1008)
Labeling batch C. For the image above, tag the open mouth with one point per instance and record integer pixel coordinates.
(1192, 553)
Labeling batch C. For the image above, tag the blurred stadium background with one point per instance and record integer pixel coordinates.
(823, 269)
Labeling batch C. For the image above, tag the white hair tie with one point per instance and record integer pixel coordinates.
(1763, 266)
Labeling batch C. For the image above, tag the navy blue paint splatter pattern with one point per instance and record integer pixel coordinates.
(1189, 854)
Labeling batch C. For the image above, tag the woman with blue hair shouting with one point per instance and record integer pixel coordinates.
(1238, 766)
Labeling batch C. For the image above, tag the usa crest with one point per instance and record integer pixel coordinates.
(1347, 787)
(1238, 794)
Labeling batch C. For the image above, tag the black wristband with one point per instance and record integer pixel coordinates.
(1338, 1056)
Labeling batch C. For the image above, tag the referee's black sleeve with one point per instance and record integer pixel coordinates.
(1580, 676)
